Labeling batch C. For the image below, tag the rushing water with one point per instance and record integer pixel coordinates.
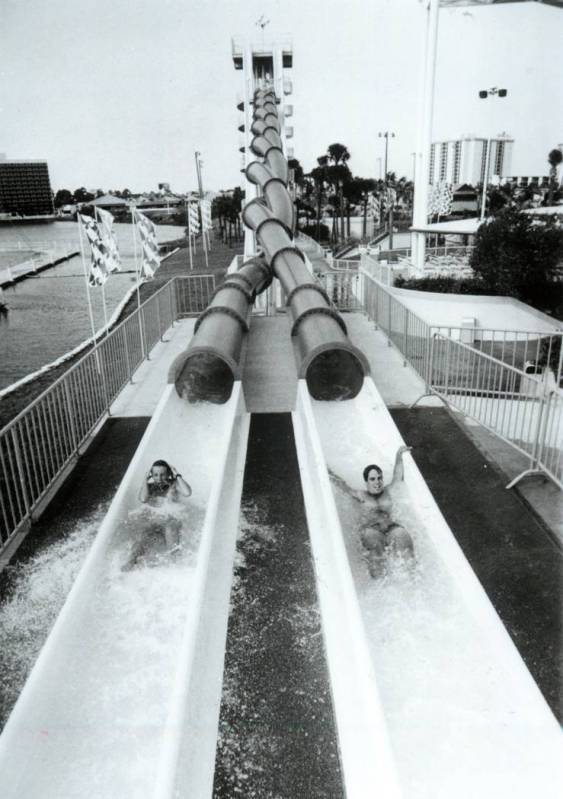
(48, 314)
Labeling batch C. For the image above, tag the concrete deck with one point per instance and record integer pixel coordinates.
(269, 376)
(141, 397)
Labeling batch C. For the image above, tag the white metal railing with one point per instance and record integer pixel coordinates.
(345, 264)
(524, 410)
(489, 378)
(38, 445)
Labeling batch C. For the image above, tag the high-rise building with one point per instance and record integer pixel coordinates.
(25, 188)
(466, 160)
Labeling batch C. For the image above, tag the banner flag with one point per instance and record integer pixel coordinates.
(147, 231)
(374, 206)
(440, 198)
(110, 239)
(205, 215)
(100, 255)
(193, 219)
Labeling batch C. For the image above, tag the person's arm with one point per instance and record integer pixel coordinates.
(337, 480)
(144, 489)
(182, 486)
(398, 469)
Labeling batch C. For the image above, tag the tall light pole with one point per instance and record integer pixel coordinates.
(420, 211)
(483, 94)
(386, 136)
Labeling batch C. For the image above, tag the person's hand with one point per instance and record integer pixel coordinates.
(403, 449)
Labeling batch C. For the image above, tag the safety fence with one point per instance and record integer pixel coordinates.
(38, 445)
(509, 381)
(524, 410)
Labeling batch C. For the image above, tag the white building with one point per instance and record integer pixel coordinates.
(466, 160)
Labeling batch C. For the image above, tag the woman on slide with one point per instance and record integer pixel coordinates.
(162, 484)
(379, 534)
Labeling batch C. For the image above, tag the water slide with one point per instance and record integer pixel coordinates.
(462, 714)
(136, 657)
(332, 366)
(430, 697)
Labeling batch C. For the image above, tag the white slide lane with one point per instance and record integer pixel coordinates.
(455, 710)
(104, 711)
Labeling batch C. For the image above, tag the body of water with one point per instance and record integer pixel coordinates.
(48, 314)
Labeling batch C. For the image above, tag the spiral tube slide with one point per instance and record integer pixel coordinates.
(332, 366)
(209, 367)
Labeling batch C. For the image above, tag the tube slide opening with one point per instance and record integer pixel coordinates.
(334, 373)
(206, 375)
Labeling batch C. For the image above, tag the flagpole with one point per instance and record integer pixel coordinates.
(137, 275)
(89, 299)
(189, 233)
(203, 238)
(97, 217)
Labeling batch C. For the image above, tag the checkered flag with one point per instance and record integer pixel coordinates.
(440, 198)
(193, 219)
(100, 256)
(374, 206)
(205, 215)
(147, 231)
(110, 240)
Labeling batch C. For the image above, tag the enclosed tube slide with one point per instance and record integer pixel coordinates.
(134, 662)
(328, 361)
(209, 367)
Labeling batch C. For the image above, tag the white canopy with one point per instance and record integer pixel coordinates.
(460, 226)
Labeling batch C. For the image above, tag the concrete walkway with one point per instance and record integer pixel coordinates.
(140, 397)
(269, 377)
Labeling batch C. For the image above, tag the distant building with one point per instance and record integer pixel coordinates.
(25, 188)
(465, 160)
(109, 202)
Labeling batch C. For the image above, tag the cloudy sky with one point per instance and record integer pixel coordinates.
(116, 93)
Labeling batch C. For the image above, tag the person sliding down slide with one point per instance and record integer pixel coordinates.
(153, 528)
(379, 534)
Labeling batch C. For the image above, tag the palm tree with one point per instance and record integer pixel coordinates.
(338, 155)
(554, 158)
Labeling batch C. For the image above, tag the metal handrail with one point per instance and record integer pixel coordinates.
(43, 440)
(537, 409)
(523, 410)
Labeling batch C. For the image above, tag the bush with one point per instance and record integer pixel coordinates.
(311, 230)
(516, 257)
(444, 285)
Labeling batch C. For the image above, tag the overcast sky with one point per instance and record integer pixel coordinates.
(116, 93)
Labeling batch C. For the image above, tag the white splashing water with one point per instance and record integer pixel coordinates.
(39, 589)
(114, 686)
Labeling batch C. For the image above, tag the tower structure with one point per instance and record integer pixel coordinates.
(263, 64)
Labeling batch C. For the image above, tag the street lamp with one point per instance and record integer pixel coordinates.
(386, 136)
(483, 94)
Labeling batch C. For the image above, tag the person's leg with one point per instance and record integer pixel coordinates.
(172, 531)
(374, 543)
(401, 541)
